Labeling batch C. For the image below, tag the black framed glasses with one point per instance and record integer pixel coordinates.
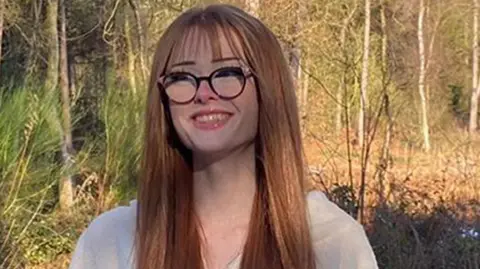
(226, 82)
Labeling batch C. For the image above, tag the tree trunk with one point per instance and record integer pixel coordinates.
(72, 78)
(32, 54)
(475, 87)
(2, 12)
(364, 82)
(302, 13)
(384, 159)
(130, 56)
(52, 44)
(115, 52)
(66, 183)
(421, 79)
(304, 101)
(343, 80)
(363, 105)
(116, 21)
(141, 40)
(296, 58)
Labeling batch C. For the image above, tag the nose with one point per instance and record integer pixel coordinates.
(205, 93)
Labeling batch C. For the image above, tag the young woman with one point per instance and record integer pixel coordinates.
(223, 168)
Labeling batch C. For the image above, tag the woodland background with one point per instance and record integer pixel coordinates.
(388, 92)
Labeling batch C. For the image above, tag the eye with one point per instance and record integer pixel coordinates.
(177, 78)
(229, 72)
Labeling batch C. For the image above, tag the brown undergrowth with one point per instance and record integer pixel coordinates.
(425, 212)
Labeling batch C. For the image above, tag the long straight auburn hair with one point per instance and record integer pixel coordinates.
(168, 235)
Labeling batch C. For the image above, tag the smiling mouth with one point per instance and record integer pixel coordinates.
(215, 117)
(211, 121)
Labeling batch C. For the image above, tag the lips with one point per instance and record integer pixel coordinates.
(211, 119)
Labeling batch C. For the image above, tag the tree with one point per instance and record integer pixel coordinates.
(52, 44)
(363, 105)
(33, 52)
(130, 55)
(421, 77)
(66, 182)
(295, 55)
(112, 33)
(141, 40)
(341, 93)
(384, 158)
(475, 87)
(364, 82)
(2, 17)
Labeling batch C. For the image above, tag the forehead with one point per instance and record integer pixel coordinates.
(204, 44)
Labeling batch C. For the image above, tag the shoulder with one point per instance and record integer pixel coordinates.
(117, 221)
(339, 241)
(108, 240)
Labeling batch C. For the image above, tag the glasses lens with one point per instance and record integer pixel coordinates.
(228, 82)
(180, 87)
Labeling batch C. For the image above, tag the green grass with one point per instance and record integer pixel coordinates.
(30, 133)
(34, 231)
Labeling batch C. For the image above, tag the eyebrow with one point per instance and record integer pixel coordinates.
(213, 61)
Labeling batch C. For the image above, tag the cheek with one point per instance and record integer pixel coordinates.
(178, 115)
(249, 103)
(252, 97)
(174, 114)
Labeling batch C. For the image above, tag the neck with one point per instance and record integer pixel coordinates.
(224, 187)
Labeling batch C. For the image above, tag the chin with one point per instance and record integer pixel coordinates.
(210, 148)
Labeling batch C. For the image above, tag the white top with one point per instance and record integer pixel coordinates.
(339, 241)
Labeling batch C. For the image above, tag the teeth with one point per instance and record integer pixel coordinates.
(211, 117)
